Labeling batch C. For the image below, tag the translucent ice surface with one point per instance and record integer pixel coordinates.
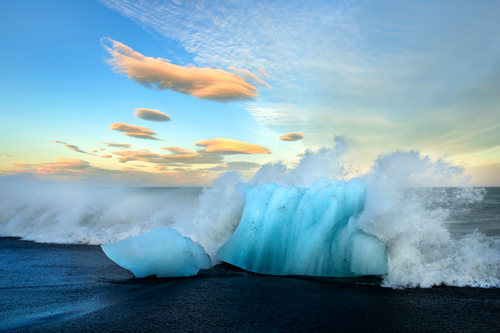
(163, 252)
(305, 231)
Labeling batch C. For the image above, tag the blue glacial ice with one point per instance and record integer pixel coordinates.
(163, 252)
(305, 231)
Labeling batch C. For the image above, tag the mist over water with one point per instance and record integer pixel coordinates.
(51, 212)
(434, 234)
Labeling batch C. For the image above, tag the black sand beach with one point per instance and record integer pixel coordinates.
(76, 288)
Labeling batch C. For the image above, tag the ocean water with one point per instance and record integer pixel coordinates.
(444, 234)
(439, 234)
(76, 288)
(483, 216)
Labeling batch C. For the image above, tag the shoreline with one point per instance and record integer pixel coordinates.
(74, 288)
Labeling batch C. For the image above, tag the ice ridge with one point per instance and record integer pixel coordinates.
(305, 231)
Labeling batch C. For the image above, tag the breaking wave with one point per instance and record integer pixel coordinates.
(408, 205)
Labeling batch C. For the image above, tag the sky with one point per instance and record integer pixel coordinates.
(175, 93)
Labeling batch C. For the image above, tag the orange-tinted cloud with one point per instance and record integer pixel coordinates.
(153, 115)
(75, 168)
(70, 147)
(61, 165)
(119, 145)
(179, 155)
(180, 151)
(294, 136)
(158, 73)
(6, 154)
(122, 127)
(230, 147)
(138, 132)
(300, 154)
(106, 156)
(143, 136)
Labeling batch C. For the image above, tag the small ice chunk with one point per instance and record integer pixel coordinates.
(163, 252)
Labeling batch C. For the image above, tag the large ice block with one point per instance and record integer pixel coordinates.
(305, 231)
(163, 252)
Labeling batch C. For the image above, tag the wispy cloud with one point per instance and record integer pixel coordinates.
(6, 154)
(249, 76)
(262, 72)
(122, 127)
(293, 136)
(144, 136)
(235, 166)
(61, 165)
(119, 145)
(178, 156)
(159, 73)
(153, 115)
(138, 132)
(79, 169)
(230, 147)
(332, 61)
(106, 156)
(70, 147)
(277, 114)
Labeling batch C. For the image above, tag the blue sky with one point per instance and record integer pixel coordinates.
(388, 75)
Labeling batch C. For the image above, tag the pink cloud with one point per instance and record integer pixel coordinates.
(230, 147)
(61, 165)
(178, 156)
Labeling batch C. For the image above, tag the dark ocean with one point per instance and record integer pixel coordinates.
(47, 286)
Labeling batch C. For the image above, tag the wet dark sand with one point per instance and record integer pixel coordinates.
(72, 288)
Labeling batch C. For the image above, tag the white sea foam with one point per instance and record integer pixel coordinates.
(411, 222)
(58, 212)
(400, 210)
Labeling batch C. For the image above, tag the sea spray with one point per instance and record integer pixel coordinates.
(400, 209)
(410, 219)
(217, 216)
(69, 213)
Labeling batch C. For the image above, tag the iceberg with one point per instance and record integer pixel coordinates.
(304, 231)
(163, 252)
